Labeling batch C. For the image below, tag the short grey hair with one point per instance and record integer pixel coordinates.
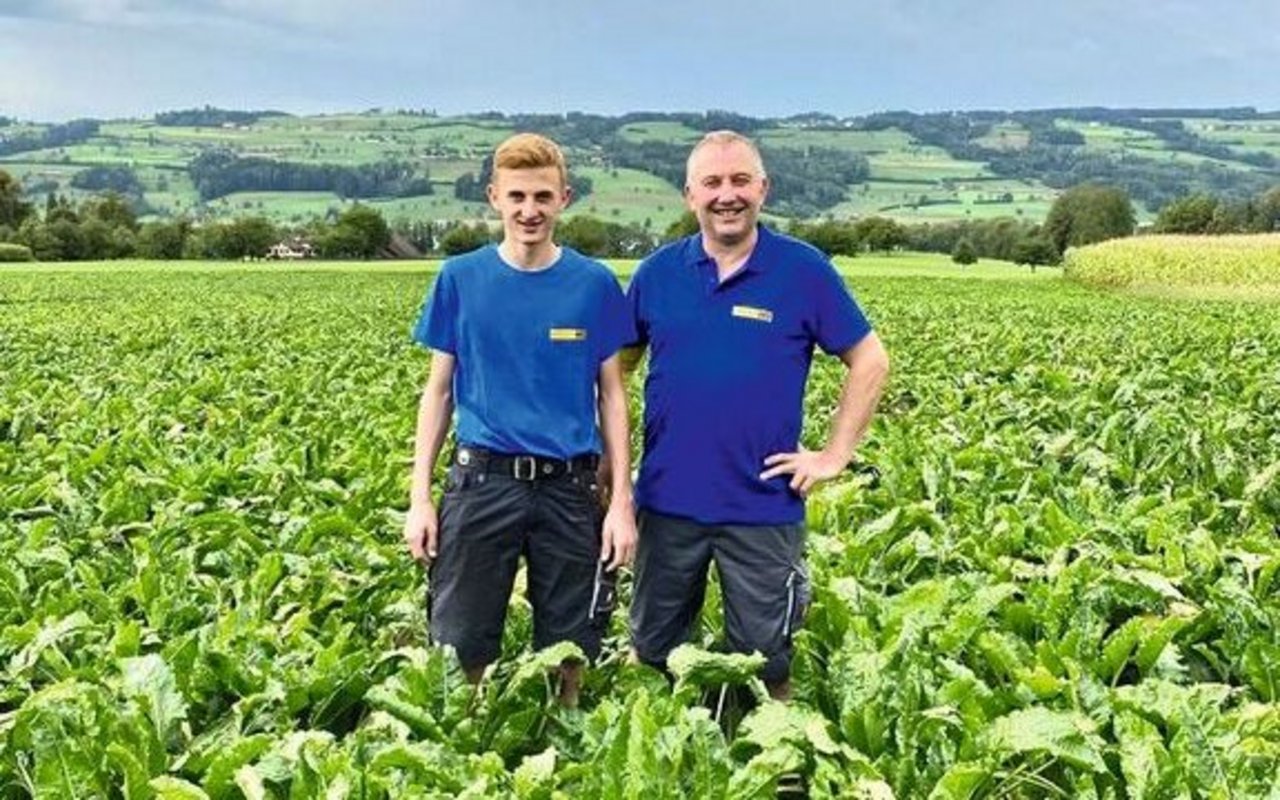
(722, 138)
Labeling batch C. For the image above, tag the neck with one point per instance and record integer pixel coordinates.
(730, 256)
(529, 256)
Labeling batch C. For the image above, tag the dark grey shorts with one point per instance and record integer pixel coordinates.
(487, 522)
(763, 580)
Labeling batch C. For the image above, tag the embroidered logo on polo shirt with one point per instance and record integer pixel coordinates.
(568, 334)
(751, 312)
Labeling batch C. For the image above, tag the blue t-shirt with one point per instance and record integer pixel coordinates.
(727, 369)
(528, 348)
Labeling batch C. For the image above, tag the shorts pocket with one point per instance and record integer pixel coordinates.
(604, 596)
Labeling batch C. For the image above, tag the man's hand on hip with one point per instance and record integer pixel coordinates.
(807, 468)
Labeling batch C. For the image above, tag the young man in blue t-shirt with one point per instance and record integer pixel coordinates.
(524, 340)
(730, 317)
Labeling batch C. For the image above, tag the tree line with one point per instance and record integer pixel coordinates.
(210, 117)
(1206, 214)
(217, 173)
(107, 226)
(73, 132)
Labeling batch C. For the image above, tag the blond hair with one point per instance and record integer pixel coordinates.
(530, 151)
(724, 138)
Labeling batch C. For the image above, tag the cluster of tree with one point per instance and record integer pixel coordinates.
(589, 235)
(1203, 213)
(122, 180)
(210, 117)
(101, 227)
(1002, 238)
(851, 237)
(13, 209)
(1081, 215)
(1089, 213)
(72, 132)
(106, 227)
(216, 173)
(803, 183)
(474, 188)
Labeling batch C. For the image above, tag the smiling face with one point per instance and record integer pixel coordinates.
(725, 187)
(530, 201)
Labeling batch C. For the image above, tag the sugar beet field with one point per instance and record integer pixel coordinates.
(1053, 574)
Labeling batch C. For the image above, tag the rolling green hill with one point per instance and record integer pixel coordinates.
(913, 167)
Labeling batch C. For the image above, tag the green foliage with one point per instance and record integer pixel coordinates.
(687, 225)
(13, 210)
(1191, 214)
(163, 240)
(1060, 579)
(1088, 213)
(1034, 249)
(360, 232)
(12, 253)
(245, 237)
(465, 238)
(216, 173)
(603, 239)
(964, 253)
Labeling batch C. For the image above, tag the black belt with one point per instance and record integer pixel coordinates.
(523, 467)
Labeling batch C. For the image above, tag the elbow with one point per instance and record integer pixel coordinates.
(871, 365)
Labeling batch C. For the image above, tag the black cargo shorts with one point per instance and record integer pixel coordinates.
(763, 580)
(495, 509)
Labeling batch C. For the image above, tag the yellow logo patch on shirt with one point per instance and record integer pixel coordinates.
(568, 334)
(751, 312)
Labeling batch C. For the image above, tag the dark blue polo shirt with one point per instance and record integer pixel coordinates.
(528, 348)
(727, 369)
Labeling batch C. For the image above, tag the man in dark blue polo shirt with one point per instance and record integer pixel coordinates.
(731, 316)
(525, 337)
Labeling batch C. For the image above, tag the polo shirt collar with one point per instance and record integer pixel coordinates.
(694, 254)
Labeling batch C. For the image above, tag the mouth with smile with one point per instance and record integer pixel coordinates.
(729, 212)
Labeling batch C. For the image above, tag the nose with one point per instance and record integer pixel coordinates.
(727, 194)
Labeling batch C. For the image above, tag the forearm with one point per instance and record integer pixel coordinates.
(617, 450)
(435, 411)
(863, 384)
(614, 431)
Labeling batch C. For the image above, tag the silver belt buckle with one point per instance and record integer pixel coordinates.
(525, 468)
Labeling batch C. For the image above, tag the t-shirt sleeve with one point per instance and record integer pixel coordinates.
(838, 323)
(616, 321)
(639, 328)
(437, 325)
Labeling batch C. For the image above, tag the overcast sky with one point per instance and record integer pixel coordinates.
(104, 58)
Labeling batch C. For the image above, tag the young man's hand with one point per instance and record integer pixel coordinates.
(421, 527)
(618, 537)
